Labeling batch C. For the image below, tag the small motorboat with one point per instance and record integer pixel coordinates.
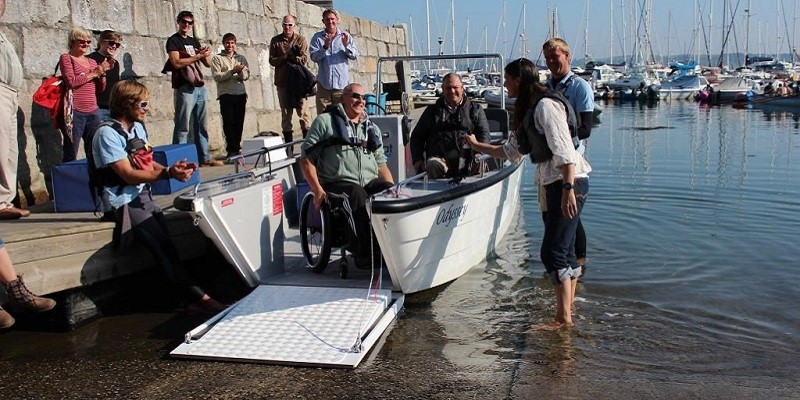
(432, 231)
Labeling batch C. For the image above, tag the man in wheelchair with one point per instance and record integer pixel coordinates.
(439, 133)
(343, 154)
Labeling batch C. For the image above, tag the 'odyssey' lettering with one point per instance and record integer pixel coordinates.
(453, 213)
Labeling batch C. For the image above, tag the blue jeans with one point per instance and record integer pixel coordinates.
(190, 116)
(558, 244)
(83, 126)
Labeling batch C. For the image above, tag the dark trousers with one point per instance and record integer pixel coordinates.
(359, 241)
(580, 238)
(232, 107)
(83, 126)
(150, 227)
(558, 244)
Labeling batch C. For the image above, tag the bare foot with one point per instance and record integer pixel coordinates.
(553, 326)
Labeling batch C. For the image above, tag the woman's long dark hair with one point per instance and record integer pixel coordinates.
(530, 90)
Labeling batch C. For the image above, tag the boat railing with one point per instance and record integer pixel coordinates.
(483, 167)
(396, 189)
(263, 158)
(439, 57)
(263, 168)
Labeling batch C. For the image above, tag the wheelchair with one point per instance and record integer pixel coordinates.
(321, 231)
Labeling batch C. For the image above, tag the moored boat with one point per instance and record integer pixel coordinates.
(432, 231)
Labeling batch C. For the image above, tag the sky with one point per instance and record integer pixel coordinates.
(674, 25)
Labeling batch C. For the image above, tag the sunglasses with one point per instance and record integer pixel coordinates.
(186, 21)
(112, 43)
(357, 96)
(288, 25)
(144, 104)
(83, 41)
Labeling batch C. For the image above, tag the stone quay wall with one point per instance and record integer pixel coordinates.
(39, 28)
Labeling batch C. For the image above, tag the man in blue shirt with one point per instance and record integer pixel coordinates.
(581, 97)
(332, 49)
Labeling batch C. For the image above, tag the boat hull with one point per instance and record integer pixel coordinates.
(434, 238)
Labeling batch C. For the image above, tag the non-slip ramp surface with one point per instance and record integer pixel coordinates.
(296, 325)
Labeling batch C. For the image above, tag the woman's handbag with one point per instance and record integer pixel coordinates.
(50, 92)
(54, 95)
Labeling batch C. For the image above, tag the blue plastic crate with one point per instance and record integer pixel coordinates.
(71, 192)
(168, 155)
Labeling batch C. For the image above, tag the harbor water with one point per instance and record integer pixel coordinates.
(693, 221)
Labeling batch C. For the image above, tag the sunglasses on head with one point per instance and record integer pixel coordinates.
(186, 21)
(357, 96)
(112, 43)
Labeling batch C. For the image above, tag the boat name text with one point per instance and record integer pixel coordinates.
(453, 213)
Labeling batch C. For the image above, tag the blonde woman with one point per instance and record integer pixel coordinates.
(84, 77)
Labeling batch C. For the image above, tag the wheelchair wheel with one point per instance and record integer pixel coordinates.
(315, 233)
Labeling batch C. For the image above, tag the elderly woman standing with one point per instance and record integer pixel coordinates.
(541, 124)
(84, 77)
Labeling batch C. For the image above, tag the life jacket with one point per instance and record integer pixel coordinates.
(341, 126)
(139, 152)
(446, 138)
(534, 143)
(562, 89)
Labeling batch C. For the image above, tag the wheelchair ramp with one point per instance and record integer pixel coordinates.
(296, 325)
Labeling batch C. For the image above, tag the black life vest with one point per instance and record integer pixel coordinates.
(105, 176)
(534, 143)
(562, 90)
(446, 138)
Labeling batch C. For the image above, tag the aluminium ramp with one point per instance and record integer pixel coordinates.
(296, 325)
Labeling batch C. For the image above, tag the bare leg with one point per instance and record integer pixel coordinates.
(7, 271)
(564, 301)
(574, 284)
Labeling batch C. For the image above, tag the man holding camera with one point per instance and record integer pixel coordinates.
(185, 57)
(285, 49)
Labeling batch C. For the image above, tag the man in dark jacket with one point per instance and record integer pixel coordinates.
(437, 143)
(285, 50)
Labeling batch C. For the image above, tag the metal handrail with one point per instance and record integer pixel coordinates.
(266, 153)
(442, 57)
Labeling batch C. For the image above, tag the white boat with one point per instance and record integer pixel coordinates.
(638, 79)
(433, 231)
(735, 89)
(682, 87)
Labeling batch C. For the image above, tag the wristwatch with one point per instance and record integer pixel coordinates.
(567, 186)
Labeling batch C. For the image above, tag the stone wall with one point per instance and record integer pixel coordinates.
(38, 29)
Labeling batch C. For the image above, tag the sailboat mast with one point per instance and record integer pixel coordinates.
(411, 30)
(669, 34)
(611, 28)
(747, 34)
(794, 29)
(586, 35)
(428, 25)
(453, 26)
(505, 31)
(523, 43)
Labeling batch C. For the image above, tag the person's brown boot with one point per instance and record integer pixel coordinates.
(6, 320)
(22, 299)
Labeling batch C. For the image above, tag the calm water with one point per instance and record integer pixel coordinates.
(693, 219)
